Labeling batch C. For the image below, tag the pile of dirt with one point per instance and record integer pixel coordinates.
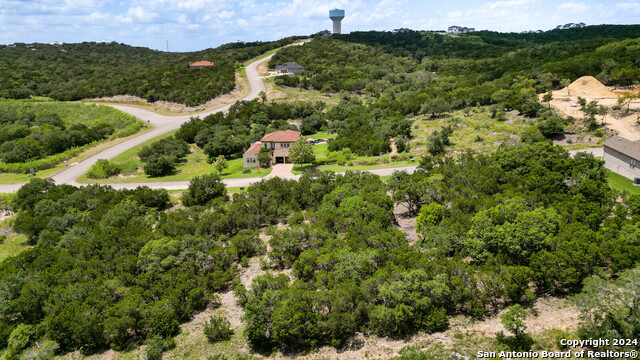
(587, 87)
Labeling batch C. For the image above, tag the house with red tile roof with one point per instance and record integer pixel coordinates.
(250, 157)
(277, 143)
(201, 64)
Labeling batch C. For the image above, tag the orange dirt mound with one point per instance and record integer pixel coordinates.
(587, 87)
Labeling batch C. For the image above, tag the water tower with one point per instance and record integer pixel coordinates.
(336, 15)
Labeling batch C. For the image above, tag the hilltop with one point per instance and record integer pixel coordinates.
(91, 70)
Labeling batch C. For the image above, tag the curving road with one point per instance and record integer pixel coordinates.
(161, 123)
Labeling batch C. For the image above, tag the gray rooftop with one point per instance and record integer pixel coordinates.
(290, 65)
(624, 146)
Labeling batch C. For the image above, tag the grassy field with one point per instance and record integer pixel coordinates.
(473, 129)
(322, 152)
(10, 178)
(289, 94)
(621, 183)
(195, 165)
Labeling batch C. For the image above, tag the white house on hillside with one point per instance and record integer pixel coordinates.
(459, 29)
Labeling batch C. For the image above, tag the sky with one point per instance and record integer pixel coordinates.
(190, 25)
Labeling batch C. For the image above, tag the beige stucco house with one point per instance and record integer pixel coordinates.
(277, 143)
(622, 156)
(250, 157)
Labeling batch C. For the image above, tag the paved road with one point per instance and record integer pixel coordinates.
(237, 182)
(161, 123)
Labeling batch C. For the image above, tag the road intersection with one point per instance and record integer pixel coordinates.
(161, 125)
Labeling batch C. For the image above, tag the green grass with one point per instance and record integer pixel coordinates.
(621, 183)
(322, 135)
(195, 165)
(12, 178)
(321, 151)
(14, 243)
(289, 94)
(126, 126)
(467, 128)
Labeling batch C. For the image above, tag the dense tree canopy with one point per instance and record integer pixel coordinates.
(88, 70)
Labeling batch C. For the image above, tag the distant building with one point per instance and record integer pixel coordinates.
(323, 33)
(56, 43)
(459, 29)
(570, 26)
(401, 30)
(277, 143)
(622, 156)
(201, 64)
(290, 68)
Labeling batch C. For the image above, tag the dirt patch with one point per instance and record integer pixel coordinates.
(573, 138)
(406, 222)
(547, 313)
(588, 87)
(5, 214)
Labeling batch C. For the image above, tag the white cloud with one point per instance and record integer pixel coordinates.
(629, 6)
(574, 7)
(96, 16)
(224, 14)
(136, 14)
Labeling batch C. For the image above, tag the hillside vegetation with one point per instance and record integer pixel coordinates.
(112, 268)
(405, 70)
(90, 70)
(39, 134)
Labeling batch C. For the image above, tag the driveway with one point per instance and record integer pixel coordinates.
(597, 152)
(281, 170)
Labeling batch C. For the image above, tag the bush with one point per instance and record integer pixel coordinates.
(156, 345)
(218, 329)
(203, 189)
(551, 126)
(44, 350)
(103, 169)
(160, 165)
(170, 146)
(402, 143)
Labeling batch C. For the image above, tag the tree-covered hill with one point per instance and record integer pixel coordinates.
(86, 70)
(374, 61)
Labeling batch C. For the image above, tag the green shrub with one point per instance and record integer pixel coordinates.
(103, 169)
(203, 189)
(156, 345)
(218, 329)
(160, 165)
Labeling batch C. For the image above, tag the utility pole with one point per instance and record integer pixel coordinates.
(167, 45)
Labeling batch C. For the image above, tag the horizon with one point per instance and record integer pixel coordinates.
(192, 25)
(293, 35)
